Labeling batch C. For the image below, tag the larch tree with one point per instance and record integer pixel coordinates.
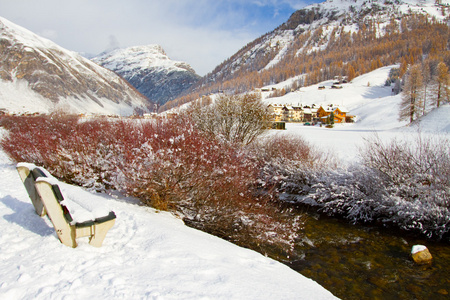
(427, 78)
(442, 84)
(411, 104)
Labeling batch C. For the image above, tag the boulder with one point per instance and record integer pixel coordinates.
(421, 255)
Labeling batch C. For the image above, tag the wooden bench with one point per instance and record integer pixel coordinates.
(48, 193)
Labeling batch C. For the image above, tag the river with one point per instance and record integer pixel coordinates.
(363, 262)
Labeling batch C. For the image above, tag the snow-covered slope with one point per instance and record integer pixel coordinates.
(366, 97)
(146, 255)
(375, 108)
(36, 75)
(317, 24)
(150, 71)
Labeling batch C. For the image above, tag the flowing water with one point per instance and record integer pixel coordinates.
(362, 262)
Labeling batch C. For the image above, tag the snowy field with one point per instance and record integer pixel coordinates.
(375, 108)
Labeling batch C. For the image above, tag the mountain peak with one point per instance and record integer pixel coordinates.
(150, 71)
(139, 57)
(357, 10)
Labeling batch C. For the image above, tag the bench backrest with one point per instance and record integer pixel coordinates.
(50, 194)
(29, 178)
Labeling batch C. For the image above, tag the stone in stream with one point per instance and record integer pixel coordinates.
(421, 255)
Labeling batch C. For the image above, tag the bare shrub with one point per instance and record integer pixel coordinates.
(401, 183)
(176, 162)
(36, 138)
(418, 169)
(237, 119)
(289, 163)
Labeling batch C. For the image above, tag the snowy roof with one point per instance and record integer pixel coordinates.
(333, 108)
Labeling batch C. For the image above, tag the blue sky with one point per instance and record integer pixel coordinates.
(202, 33)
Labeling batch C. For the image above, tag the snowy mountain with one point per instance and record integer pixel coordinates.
(321, 40)
(150, 71)
(320, 23)
(36, 75)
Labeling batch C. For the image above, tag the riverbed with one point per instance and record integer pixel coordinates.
(364, 262)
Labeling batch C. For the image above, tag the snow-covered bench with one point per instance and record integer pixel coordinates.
(74, 215)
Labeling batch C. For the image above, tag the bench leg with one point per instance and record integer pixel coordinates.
(67, 237)
(100, 231)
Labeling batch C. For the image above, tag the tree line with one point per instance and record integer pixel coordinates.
(427, 85)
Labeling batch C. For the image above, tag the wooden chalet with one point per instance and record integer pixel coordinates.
(340, 113)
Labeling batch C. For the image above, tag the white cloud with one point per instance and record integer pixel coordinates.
(201, 32)
(49, 34)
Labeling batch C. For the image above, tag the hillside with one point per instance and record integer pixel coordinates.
(36, 75)
(375, 108)
(150, 71)
(334, 38)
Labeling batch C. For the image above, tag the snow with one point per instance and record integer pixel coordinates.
(373, 105)
(282, 40)
(146, 255)
(418, 248)
(18, 97)
(137, 58)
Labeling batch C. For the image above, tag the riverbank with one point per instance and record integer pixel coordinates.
(146, 255)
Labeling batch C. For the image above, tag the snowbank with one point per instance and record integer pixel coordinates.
(146, 255)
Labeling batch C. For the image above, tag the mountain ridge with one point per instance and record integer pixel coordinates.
(57, 78)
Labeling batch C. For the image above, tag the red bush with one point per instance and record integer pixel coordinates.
(167, 164)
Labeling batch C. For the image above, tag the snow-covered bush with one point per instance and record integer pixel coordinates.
(288, 164)
(401, 183)
(416, 176)
(78, 152)
(36, 138)
(174, 162)
(353, 194)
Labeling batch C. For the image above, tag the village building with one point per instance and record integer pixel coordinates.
(276, 112)
(297, 113)
(339, 113)
(310, 114)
